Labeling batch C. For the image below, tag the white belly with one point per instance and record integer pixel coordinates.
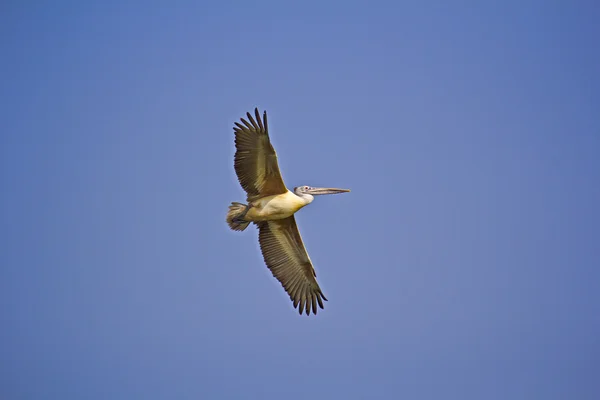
(275, 207)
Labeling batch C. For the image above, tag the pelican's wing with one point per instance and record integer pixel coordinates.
(286, 257)
(255, 158)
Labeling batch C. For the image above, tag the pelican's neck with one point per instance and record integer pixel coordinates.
(305, 198)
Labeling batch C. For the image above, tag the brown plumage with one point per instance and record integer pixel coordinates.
(255, 160)
(286, 257)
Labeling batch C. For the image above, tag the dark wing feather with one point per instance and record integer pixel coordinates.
(286, 257)
(255, 159)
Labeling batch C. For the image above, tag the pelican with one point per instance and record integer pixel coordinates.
(271, 207)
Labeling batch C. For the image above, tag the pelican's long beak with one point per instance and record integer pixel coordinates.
(319, 191)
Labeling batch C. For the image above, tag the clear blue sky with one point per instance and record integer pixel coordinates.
(463, 265)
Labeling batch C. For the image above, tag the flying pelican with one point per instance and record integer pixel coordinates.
(271, 206)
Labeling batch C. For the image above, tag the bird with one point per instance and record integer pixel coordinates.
(271, 207)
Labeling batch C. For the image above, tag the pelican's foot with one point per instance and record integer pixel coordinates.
(241, 216)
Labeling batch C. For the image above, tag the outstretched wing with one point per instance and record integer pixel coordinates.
(286, 257)
(255, 158)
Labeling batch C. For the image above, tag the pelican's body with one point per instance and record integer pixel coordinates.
(271, 206)
(277, 206)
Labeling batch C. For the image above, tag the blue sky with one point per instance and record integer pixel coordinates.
(463, 265)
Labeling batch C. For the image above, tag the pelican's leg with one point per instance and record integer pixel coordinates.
(240, 218)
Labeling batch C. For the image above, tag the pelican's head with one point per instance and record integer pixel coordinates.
(309, 192)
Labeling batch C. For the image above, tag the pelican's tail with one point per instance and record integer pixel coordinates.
(235, 216)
